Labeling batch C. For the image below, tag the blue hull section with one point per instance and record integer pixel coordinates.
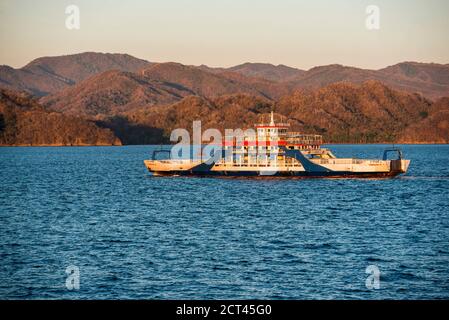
(286, 174)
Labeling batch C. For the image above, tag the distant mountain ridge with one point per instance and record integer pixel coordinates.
(429, 79)
(46, 75)
(114, 91)
(268, 71)
(117, 98)
(199, 81)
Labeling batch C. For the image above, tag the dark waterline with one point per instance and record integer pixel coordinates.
(133, 235)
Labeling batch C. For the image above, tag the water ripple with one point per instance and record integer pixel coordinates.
(134, 236)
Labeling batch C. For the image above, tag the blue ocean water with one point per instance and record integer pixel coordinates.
(135, 236)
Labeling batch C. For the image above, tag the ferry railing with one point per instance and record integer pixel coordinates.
(276, 124)
(254, 161)
(347, 161)
(308, 139)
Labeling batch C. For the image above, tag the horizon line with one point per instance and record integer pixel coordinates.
(226, 67)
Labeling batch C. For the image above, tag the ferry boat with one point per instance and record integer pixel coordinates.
(273, 151)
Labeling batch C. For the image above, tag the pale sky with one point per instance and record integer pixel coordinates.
(297, 33)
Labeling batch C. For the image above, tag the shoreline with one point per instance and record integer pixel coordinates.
(126, 145)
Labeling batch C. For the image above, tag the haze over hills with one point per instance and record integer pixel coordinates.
(141, 101)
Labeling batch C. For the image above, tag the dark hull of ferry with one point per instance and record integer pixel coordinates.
(289, 174)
